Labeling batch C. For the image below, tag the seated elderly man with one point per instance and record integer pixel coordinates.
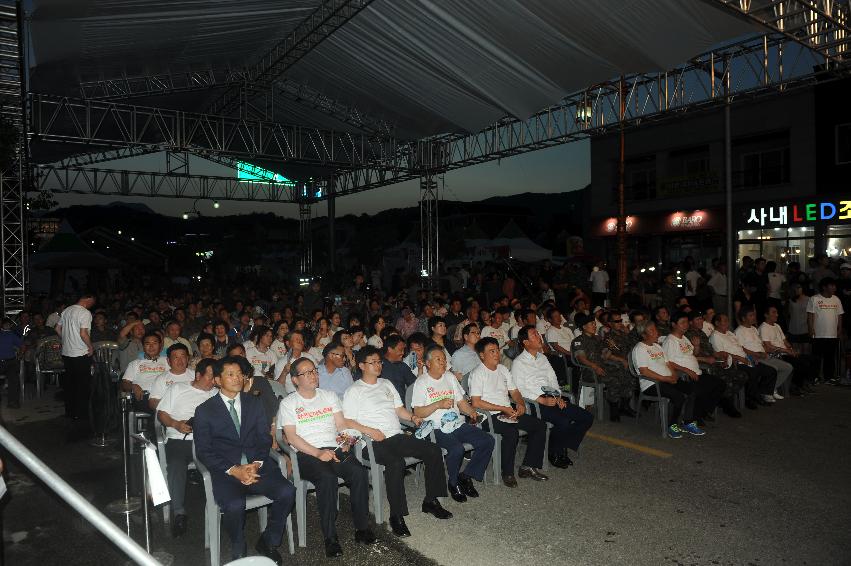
(656, 372)
(590, 350)
(560, 337)
(707, 389)
(493, 389)
(761, 378)
(178, 372)
(776, 344)
(716, 363)
(140, 374)
(438, 397)
(465, 359)
(373, 407)
(534, 377)
(333, 376)
(175, 411)
(748, 336)
(312, 418)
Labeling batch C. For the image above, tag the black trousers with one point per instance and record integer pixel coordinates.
(536, 432)
(78, 376)
(569, 426)
(706, 393)
(678, 393)
(391, 453)
(825, 349)
(178, 455)
(323, 475)
(761, 380)
(806, 368)
(11, 369)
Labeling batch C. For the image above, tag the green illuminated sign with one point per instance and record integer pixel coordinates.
(249, 172)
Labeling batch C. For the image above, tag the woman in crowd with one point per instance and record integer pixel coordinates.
(377, 324)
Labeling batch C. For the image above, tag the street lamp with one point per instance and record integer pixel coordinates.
(216, 204)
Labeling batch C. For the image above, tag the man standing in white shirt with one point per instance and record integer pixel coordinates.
(178, 372)
(824, 320)
(599, 279)
(312, 418)
(748, 336)
(74, 327)
(438, 397)
(373, 407)
(718, 283)
(492, 389)
(532, 373)
(176, 411)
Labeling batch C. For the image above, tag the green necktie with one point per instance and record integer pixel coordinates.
(235, 418)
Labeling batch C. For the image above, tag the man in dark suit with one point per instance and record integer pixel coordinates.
(232, 439)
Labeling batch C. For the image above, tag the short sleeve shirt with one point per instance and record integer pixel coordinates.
(373, 405)
(144, 372)
(313, 419)
(589, 346)
(563, 336)
(825, 313)
(773, 334)
(651, 357)
(72, 320)
(428, 390)
(492, 386)
(749, 339)
(180, 402)
(681, 352)
(167, 379)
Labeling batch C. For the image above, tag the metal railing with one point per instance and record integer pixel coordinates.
(77, 502)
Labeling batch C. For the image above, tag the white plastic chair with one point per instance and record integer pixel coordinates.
(662, 403)
(160, 438)
(48, 362)
(213, 515)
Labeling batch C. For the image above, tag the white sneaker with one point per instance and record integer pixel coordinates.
(769, 398)
(778, 396)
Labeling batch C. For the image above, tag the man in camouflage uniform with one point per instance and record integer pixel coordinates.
(734, 378)
(589, 350)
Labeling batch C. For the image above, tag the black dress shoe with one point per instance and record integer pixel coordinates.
(265, 550)
(365, 536)
(465, 482)
(456, 493)
(562, 461)
(433, 507)
(332, 548)
(398, 526)
(525, 472)
(179, 527)
(509, 481)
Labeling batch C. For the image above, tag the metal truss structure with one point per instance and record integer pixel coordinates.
(821, 25)
(83, 159)
(15, 179)
(305, 236)
(175, 184)
(110, 124)
(429, 239)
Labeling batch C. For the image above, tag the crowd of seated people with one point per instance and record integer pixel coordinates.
(474, 369)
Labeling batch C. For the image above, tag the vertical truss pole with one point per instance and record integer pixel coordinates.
(732, 280)
(429, 232)
(332, 210)
(621, 225)
(305, 239)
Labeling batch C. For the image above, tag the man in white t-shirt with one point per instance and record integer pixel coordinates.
(74, 327)
(437, 397)
(495, 329)
(658, 377)
(140, 374)
(692, 279)
(178, 372)
(773, 338)
(296, 349)
(824, 320)
(312, 418)
(492, 389)
(707, 389)
(599, 279)
(373, 407)
(761, 378)
(175, 411)
(751, 342)
(559, 336)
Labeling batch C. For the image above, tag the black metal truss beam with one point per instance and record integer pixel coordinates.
(83, 159)
(753, 68)
(821, 25)
(127, 88)
(109, 124)
(320, 24)
(108, 182)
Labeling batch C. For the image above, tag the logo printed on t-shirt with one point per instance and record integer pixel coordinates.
(304, 417)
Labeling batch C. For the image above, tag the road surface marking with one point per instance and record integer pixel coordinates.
(631, 445)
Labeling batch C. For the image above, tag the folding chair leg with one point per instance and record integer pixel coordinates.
(377, 493)
(600, 401)
(263, 516)
(663, 417)
(215, 538)
(546, 465)
(496, 460)
(301, 516)
(290, 533)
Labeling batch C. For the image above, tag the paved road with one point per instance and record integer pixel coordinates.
(772, 488)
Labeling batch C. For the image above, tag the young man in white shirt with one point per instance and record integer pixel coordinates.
(178, 372)
(175, 411)
(494, 329)
(748, 336)
(465, 359)
(74, 327)
(437, 395)
(805, 366)
(707, 389)
(824, 320)
(140, 374)
(312, 418)
(492, 389)
(655, 371)
(373, 407)
(558, 336)
(532, 373)
(599, 279)
(761, 378)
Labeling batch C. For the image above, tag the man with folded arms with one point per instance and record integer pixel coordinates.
(175, 411)
(437, 394)
(532, 372)
(805, 366)
(311, 419)
(373, 407)
(140, 374)
(492, 389)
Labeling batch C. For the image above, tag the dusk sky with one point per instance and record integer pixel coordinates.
(556, 169)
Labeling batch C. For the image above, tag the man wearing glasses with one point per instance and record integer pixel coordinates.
(333, 375)
(312, 418)
(373, 407)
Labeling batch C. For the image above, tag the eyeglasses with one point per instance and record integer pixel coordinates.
(308, 372)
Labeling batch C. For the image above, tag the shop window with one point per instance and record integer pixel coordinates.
(843, 144)
(763, 168)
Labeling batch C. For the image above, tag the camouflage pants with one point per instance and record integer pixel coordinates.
(734, 378)
(620, 384)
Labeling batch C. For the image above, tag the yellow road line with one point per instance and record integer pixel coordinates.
(631, 445)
